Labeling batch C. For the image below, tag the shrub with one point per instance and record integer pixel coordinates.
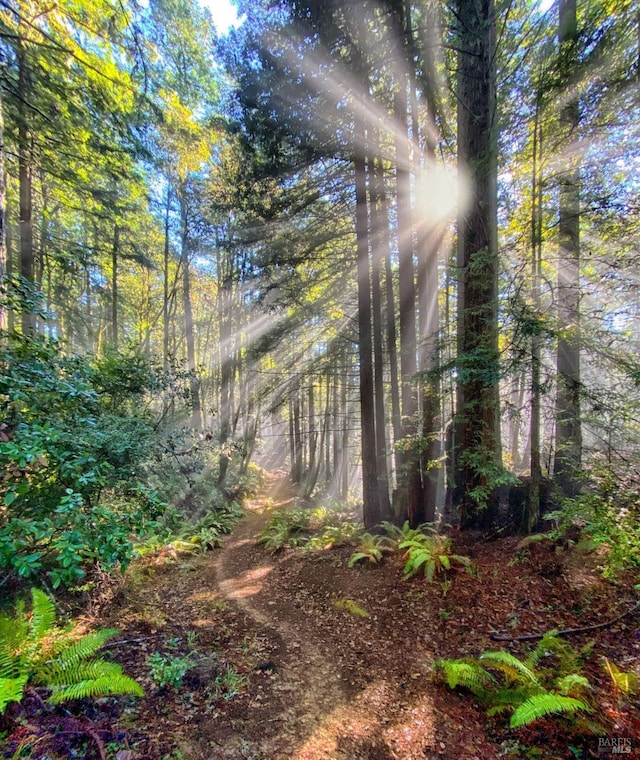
(431, 555)
(371, 548)
(168, 670)
(74, 438)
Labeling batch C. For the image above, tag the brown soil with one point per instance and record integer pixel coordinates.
(320, 682)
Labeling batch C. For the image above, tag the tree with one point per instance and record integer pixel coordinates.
(568, 431)
(478, 449)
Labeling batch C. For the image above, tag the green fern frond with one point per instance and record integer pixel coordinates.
(467, 674)
(14, 630)
(11, 690)
(69, 654)
(544, 648)
(43, 615)
(572, 684)
(53, 675)
(99, 687)
(9, 661)
(508, 664)
(541, 705)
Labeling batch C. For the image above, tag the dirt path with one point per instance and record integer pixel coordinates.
(318, 682)
(343, 687)
(309, 687)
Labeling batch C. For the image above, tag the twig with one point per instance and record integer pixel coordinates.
(568, 631)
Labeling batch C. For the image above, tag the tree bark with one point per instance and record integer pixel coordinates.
(115, 251)
(409, 495)
(370, 485)
(478, 452)
(3, 223)
(568, 428)
(25, 180)
(194, 382)
(376, 305)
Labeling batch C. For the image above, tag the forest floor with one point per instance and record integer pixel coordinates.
(281, 667)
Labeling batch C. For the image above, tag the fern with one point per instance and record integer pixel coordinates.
(68, 651)
(43, 615)
(511, 666)
(370, 548)
(431, 554)
(35, 651)
(11, 690)
(572, 685)
(517, 686)
(97, 687)
(541, 705)
(465, 673)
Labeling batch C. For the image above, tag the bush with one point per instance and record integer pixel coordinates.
(608, 515)
(74, 438)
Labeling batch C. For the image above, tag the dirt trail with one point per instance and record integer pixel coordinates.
(309, 686)
(319, 682)
(344, 687)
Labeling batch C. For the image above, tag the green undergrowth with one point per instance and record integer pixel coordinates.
(547, 681)
(312, 529)
(607, 515)
(36, 654)
(426, 551)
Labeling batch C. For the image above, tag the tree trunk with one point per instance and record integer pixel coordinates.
(194, 382)
(165, 299)
(3, 224)
(478, 430)
(115, 251)
(25, 179)
(409, 504)
(536, 275)
(376, 306)
(370, 485)
(568, 428)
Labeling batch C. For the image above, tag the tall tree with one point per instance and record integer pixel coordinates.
(478, 448)
(568, 425)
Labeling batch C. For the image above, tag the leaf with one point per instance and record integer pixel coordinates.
(11, 690)
(445, 561)
(508, 664)
(350, 606)
(540, 705)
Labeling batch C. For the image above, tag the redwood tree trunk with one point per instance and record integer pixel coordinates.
(568, 429)
(370, 486)
(478, 452)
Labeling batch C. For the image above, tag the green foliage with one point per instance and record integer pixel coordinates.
(502, 682)
(75, 436)
(431, 555)
(625, 683)
(371, 548)
(345, 533)
(35, 652)
(541, 705)
(286, 528)
(228, 684)
(311, 528)
(168, 670)
(406, 533)
(609, 517)
(350, 606)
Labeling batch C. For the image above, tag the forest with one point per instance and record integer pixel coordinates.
(319, 379)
